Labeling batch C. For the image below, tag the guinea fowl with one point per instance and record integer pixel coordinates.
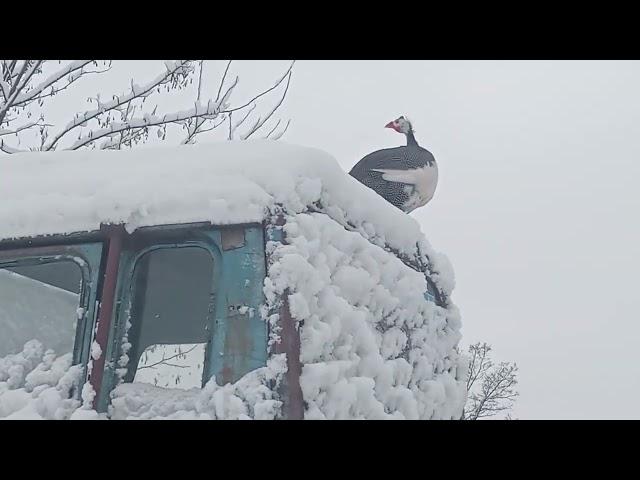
(404, 176)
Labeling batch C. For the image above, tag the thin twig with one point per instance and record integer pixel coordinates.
(168, 358)
(120, 101)
(262, 93)
(260, 124)
(224, 76)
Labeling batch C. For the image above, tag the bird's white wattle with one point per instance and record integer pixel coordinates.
(424, 180)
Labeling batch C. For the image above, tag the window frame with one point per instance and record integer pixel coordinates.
(234, 262)
(130, 293)
(88, 257)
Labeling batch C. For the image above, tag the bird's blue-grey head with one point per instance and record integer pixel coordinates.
(401, 125)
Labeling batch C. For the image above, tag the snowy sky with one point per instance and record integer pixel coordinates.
(536, 204)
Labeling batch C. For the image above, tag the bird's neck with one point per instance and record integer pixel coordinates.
(411, 140)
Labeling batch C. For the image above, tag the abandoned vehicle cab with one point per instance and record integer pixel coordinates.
(235, 280)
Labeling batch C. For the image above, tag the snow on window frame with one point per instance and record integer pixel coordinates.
(86, 256)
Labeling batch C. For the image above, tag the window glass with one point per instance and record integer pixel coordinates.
(172, 366)
(39, 302)
(171, 309)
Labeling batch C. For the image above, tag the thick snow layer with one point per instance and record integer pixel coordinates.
(371, 346)
(226, 182)
(249, 398)
(36, 384)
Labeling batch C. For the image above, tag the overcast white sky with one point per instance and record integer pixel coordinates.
(537, 203)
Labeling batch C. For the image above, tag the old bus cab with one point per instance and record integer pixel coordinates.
(233, 280)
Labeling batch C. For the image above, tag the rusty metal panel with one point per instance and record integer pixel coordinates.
(115, 235)
(290, 390)
(239, 340)
(290, 344)
(238, 343)
(232, 237)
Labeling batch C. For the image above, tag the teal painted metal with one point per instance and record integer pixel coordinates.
(116, 334)
(91, 254)
(208, 240)
(238, 341)
(274, 233)
(124, 295)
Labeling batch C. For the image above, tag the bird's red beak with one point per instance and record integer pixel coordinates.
(391, 125)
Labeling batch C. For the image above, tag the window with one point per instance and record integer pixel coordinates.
(172, 366)
(432, 295)
(39, 301)
(171, 310)
(187, 308)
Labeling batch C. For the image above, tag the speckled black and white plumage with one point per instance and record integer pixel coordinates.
(405, 176)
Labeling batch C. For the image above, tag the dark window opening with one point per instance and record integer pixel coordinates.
(171, 310)
(432, 294)
(39, 302)
(65, 275)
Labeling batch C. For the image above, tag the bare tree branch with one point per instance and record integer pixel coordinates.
(233, 129)
(17, 87)
(496, 391)
(200, 80)
(193, 126)
(259, 124)
(15, 82)
(73, 72)
(26, 126)
(279, 135)
(164, 361)
(140, 92)
(145, 122)
(124, 120)
(224, 76)
(71, 79)
(7, 69)
(9, 149)
(277, 84)
(273, 129)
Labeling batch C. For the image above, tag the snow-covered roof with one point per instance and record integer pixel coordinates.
(371, 346)
(227, 182)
